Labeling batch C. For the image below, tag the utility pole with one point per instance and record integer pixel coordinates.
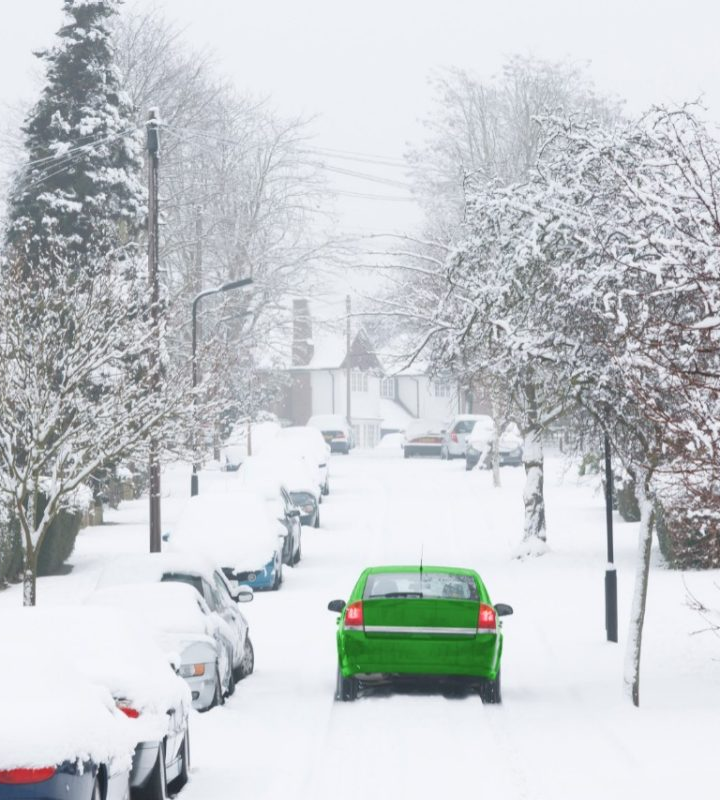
(153, 150)
(348, 361)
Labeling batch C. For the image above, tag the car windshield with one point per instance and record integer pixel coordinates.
(420, 584)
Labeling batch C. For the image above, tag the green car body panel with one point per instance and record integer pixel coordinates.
(419, 635)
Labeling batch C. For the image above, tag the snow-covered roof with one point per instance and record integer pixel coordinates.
(150, 567)
(394, 415)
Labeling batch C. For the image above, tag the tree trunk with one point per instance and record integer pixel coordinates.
(533, 495)
(642, 573)
(29, 584)
(496, 457)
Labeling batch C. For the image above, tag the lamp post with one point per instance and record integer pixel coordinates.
(226, 287)
(611, 614)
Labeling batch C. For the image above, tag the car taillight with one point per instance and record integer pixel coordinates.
(340, 435)
(487, 620)
(18, 776)
(453, 436)
(129, 711)
(354, 616)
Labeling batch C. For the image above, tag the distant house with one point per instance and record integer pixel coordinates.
(382, 400)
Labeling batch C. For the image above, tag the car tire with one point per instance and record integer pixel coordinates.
(490, 691)
(156, 787)
(278, 580)
(231, 684)
(326, 488)
(406, 454)
(316, 524)
(346, 689)
(176, 785)
(247, 662)
(298, 556)
(218, 697)
(444, 455)
(96, 791)
(468, 466)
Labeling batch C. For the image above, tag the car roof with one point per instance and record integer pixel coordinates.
(425, 568)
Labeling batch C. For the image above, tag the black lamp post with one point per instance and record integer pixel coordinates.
(226, 287)
(611, 616)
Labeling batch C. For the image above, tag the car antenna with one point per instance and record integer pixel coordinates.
(421, 558)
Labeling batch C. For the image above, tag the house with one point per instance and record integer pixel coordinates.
(381, 398)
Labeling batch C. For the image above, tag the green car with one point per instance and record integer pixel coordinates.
(419, 621)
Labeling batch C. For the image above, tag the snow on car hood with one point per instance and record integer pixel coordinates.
(109, 648)
(233, 529)
(52, 713)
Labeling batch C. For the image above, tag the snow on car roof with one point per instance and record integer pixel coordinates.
(420, 426)
(52, 713)
(271, 470)
(165, 607)
(109, 648)
(150, 568)
(328, 422)
(233, 529)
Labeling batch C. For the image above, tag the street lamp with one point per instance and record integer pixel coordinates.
(226, 287)
(611, 614)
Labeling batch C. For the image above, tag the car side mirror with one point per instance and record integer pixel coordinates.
(294, 512)
(166, 536)
(337, 606)
(503, 609)
(244, 594)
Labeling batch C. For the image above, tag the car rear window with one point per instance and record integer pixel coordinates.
(417, 584)
(301, 498)
(176, 577)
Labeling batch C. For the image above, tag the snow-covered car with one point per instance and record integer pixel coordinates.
(246, 438)
(110, 649)
(298, 478)
(207, 579)
(197, 641)
(262, 476)
(423, 437)
(335, 430)
(306, 443)
(480, 446)
(454, 443)
(62, 736)
(235, 531)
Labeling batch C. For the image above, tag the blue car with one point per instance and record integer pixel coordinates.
(268, 577)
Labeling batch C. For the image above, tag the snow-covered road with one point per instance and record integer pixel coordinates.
(565, 729)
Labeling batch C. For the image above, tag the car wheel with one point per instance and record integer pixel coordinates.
(247, 664)
(316, 524)
(490, 691)
(346, 689)
(184, 775)
(97, 791)
(444, 455)
(218, 697)
(326, 488)
(468, 465)
(298, 555)
(277, 581)
(406, 454)
(231, 685)
(156, 786)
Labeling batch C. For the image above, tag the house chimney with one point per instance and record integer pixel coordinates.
(302, 344)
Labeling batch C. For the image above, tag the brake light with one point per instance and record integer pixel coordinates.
(18, 776)
(129, 711)
(487, 620)
(354, 616)
(453, 436)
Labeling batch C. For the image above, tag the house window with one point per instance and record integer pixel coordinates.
(358, 381)
(387, 388)
(442, 388)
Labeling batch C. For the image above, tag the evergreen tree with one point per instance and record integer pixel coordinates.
(79, 196)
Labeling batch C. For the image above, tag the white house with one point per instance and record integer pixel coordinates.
(381, 400)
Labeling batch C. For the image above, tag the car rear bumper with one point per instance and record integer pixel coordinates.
(423, 449)
(68, 783)
(475, 656)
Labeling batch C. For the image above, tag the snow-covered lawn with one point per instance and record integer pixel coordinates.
(565, 729)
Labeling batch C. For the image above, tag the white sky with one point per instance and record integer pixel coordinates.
(361, 68)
